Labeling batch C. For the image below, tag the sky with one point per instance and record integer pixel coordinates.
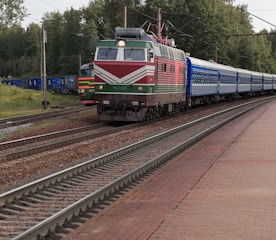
(37, 8)
(264, 9)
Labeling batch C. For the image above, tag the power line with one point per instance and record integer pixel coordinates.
(242, 9)
(251, 34)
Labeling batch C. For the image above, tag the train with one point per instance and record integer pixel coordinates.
(65, 84)
(140, 76)
(86, 84)
(83, 84)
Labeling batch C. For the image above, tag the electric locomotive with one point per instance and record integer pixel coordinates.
(86, 88)
(138, 78)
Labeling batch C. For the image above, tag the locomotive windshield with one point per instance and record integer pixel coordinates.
(86, 70)
(134, 54)
(107, 54)
(127, 54)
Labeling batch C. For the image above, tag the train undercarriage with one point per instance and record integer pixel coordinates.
(141, 113)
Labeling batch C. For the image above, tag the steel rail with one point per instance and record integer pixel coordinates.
(27, 140)
(15, 121)
(94, 132)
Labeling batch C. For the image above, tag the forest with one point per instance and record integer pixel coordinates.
(207, 29)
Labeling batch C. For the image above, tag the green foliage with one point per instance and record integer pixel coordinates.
(53, 23)
(11, 12)
(208, 29)
(13, 98)
(17, 101)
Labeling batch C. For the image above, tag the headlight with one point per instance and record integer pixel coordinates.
(140, 88)
(100, 87)
(121, 43)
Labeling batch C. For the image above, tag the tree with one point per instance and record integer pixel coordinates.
(11, 13)
(207, 29)
(69, 60)
(54, 24)
(31, 63)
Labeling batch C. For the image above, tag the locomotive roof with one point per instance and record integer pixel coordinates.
(133, 34)
(86, 66)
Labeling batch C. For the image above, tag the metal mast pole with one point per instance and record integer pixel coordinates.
(125, 16)
(159, 23)
(43, 68)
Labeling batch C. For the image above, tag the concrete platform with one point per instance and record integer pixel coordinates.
(223, 188)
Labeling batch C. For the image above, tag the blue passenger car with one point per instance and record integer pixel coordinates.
(244, 81)
(227, 80)
(267, 82)
(257, 82)
(274, 81)
(202, 77)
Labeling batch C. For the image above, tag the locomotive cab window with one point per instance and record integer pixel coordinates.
(134, 54)
(107, 54)
(86, 72)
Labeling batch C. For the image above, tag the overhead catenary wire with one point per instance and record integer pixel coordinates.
(242, 9)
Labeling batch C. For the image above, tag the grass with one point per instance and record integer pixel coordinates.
(16, 101)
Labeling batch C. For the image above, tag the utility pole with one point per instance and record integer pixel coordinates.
(125, 16)
(159, 34)
(43, 68)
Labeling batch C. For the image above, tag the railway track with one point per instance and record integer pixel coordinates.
(32, 145)
(14, 149)
(15, 121)
(52, 204)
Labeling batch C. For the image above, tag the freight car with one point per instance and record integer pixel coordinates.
(12, 82)
(140, 76)
(64, 84)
